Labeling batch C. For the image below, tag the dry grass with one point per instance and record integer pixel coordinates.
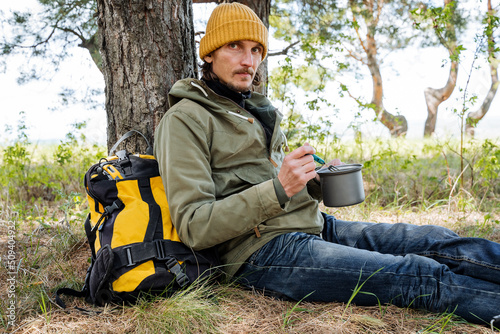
(249, 312)
(48, 262)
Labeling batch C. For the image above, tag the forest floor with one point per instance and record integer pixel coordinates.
(219, 309)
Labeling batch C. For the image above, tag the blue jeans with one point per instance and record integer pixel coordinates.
(425, 267)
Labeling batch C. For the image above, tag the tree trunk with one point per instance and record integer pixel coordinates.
(474, 117)
(146, 46)
(397, 125)
(434, 97)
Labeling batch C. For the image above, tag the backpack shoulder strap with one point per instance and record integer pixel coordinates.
(149, 149)
(68, 292)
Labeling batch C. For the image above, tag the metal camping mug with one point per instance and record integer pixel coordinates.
(342, 185)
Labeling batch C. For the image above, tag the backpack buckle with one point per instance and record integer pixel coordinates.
(128, 251)
(175, 268)
(160, 250)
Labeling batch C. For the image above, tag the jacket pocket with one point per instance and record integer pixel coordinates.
(253, 175)
(231, 181)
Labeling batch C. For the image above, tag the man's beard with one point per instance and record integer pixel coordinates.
(247, 88)
(239, 89)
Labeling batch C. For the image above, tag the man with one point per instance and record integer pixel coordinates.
(230, 185)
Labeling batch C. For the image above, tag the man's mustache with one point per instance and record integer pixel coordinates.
(244, 71)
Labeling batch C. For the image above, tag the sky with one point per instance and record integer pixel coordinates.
(411, 71)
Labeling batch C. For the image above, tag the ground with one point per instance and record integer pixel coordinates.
(227, 309)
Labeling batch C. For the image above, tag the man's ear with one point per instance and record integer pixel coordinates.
(208, 58)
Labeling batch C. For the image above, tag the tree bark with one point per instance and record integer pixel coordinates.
(434, 97)
(397, 125)
(146, 46)
(474, 117)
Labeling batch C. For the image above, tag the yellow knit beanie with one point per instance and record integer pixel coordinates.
(231, 22)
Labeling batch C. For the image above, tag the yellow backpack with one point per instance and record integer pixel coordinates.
(134, 246)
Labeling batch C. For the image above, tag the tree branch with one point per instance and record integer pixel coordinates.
(356, 56)
(79, 35)
(283, 52)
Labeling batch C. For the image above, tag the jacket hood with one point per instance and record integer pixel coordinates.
(199, 92)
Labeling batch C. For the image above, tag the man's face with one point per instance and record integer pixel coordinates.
(235, 64)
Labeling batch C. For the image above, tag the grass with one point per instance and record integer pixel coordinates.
(357, 289)
(405, 181)
(57, 256)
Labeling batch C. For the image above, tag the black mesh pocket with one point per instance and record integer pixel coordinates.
(99, 285)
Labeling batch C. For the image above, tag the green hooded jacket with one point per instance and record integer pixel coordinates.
(220, 176)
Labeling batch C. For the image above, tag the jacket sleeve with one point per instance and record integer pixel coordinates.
(182, 148)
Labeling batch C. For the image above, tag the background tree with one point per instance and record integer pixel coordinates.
(50, 34)
(141, 49)
(63, 23)
(329, 30)
(318, 35)
(371, 12)
(446, 22)
(491, 23)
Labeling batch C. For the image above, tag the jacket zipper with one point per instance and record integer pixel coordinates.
(249, 119)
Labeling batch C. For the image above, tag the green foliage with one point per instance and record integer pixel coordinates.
(60, 23)
(46, 36)
(285, 81)
(491, 22)
(17, 155)
(409, 173)
(44, 307)
(30, 174)
(443, 324)
(358, 287)
(488, 165)
(397, 173)
(444, 23)
(424, 173)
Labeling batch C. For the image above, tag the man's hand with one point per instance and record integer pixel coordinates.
(297, 169)
(334, 162)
